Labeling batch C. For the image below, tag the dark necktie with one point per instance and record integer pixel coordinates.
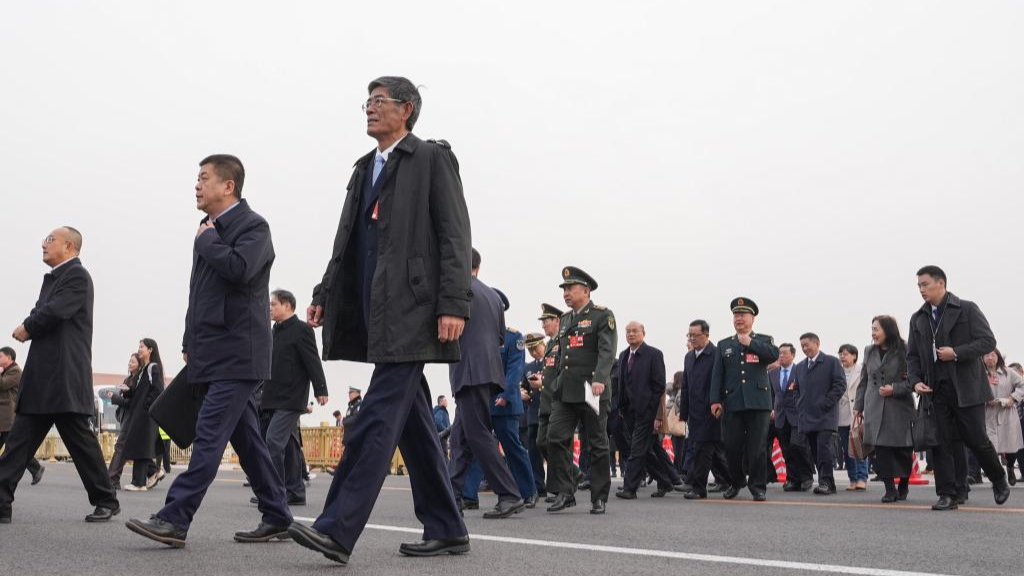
(784, 380)
(935, 315)
(810, 363)
(630, 362)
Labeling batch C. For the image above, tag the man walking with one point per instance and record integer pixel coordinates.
(10, 380)
(821, 382)
(227, 349)
(56, 386)
(786, 417)
(396, 293)
(695, 409)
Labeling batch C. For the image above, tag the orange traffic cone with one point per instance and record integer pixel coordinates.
(576, 451)
(666, 443)
(915, 475)
(779, 462)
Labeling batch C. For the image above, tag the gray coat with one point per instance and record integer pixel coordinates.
(886, 420)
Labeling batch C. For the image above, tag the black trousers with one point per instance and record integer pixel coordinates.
(536, 458)
(283, 445)
(562, 425)
(820, 442)
(28, 433)
(643, 454)
(708, 455)
(746, 436)
(33, 465)
(117, 460)
(796, 453)
(679, 452)
(617, 432)
(966, 424)
(472, 438)
(395, 412)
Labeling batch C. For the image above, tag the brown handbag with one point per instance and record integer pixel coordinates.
(856, 446)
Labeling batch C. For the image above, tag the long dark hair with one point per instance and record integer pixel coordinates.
(1000, 362)
(154, 358)
(893, 340)
(130, 380)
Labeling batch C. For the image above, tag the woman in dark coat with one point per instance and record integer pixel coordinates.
(885, 407)
(140, 430)
(122, 398)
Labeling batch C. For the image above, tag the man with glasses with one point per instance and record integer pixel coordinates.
(695, 410)
(396, 293)
(56, 385)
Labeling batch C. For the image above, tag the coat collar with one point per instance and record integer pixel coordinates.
(949, 313)
(231, 216)
(60, 270)
(408, 145)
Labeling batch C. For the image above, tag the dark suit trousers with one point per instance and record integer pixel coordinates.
(28, 433)
(707, 455)
(746, 436)
(228, 413)
(643, 454)
(561, 429)
(820, 442)
(284, 449)
(471, 438)
(33, 464)
(966, 424)
(536, 458)
(395, 412)
(617, 431)
(796, 453)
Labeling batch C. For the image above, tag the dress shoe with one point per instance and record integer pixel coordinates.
(1001, 490)
(903, 491)
(5, 515)
(659, 493)
(890, 497)
(531, 502)
(155, 479)
(549, 498)
(759, 496)
(945, 503)
(715, 488)
(562, 502)
(626, 495)
(505, 508)
(731, 492)
(102, 514)
(469, 504)
(436, 547)
(973, 480)
(806, 486)
(597, 507)
(296, 501)
(37, 476)
(691, 495)
(961, 498)
(585, 485)
(317, 541)
(134, 488)
(263, 533)
(682, 487)
(158, 529)
(790, 486)
(1011, 476)
(824, 489)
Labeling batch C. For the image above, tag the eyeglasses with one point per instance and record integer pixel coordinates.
(49, 239)
(378, 101)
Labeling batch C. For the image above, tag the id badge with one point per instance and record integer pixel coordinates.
(935, 353)
(752, 358)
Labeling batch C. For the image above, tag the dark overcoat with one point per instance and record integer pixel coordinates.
(139, 428)
(644, 386)
(821, 386)
(482, 340)
(695, 396)
(886, 420)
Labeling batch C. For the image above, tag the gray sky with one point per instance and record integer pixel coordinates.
(808, 155)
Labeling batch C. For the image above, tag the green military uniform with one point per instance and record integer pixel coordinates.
(548, 374)
(586, 342)
(739, 381)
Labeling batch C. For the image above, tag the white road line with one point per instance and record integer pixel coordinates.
(806, 566)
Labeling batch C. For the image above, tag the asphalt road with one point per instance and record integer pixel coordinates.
(789, 534)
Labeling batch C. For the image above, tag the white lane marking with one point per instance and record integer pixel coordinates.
(806, 566)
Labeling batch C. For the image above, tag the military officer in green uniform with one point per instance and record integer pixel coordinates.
(741, 396)
(550, 317)
(587, 342)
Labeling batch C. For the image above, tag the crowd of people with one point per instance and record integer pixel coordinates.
(401, 289)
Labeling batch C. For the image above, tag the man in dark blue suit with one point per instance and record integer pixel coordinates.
(786, 417)
(822, 382)
(534, 343)
(642, 377)
(695, 410)
(227, 348)
(396, 292)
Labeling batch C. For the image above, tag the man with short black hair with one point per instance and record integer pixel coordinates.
(786, 422)
(948, 338)
(695, 410)
(56, 385)
(821, 382)
(10, 380)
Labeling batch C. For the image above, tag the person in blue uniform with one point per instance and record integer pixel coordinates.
(531, 399)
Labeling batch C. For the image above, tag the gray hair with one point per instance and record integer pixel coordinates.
(402, 89)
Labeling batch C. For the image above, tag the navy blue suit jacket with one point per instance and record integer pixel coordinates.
(695, 397)
(785, 401)
(643, 387)
(821, 387)
(481, 342)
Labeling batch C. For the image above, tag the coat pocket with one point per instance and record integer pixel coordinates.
(418, 281)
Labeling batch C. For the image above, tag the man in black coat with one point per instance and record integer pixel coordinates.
(786, 420)
(296, 362)
(227, 349)
(642, 377)
(396, 293)
(948, 338)
(695, 410)
(56, 385)
(10, 381)
(821, 382)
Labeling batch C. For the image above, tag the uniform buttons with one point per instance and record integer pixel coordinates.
(744, 381)
(743, 371)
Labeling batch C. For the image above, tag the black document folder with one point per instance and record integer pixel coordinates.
(177, 409)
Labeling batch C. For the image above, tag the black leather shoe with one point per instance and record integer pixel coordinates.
(469, 504)
(531, 502)
(585, 485)
(1001, 491)
(263, 533)
(790, 486)
(659, 493)
(296, 501)
(691, 495)
(37, 476)
(945, 503)
(806, 485)
(160, 530)
(505, 508)
(731, 492)
(1011, 476)
(961, 498)
(102, 514)
(759, 496)
(682, 487)
(5, 515)
(903, 491)
(626, 495)
(716, 488)
(824, 489)
(889, 498)
(319, 542)
(549, 498)
(435, 547)
(562, 502)
(597, 507)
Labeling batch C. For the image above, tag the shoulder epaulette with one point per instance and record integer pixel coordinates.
(600, 307)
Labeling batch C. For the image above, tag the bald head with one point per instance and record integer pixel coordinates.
(61, 245)
(635, 334)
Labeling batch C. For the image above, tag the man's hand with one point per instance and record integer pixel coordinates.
(773, 415)
(524, 395)
(922, 388)
(885, 391)
(184, 356)
(203, 227)
(657, 425)
(314, 315)
(716, 410)
(20, 334)
(597, 388)
(858, 419)
(946, 354)
(321, 400)
(449, 328)
(500, 402)
(536, 381)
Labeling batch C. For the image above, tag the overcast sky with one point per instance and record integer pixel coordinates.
(808, 155)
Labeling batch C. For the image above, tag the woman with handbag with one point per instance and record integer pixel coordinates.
(1001, 420)
(140, 430)
(122, 399)
(856, 469)
(885, 407)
